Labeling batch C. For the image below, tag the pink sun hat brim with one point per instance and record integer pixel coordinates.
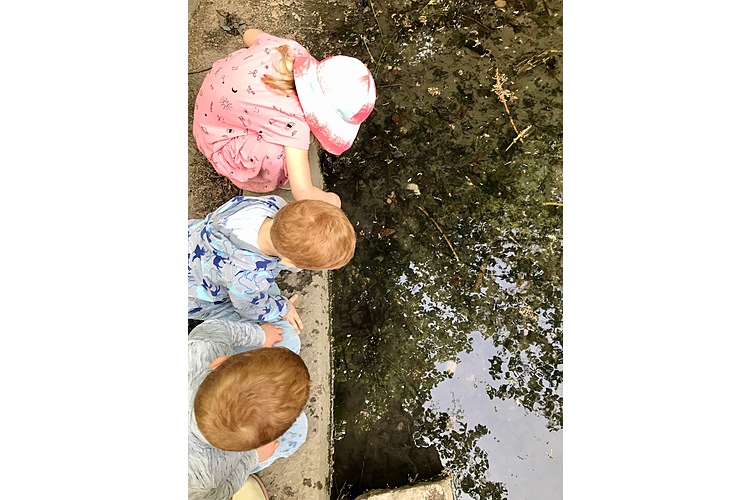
(337, 94)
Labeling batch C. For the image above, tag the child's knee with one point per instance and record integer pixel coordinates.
(291, 338)
(289, 442)
(293, 438)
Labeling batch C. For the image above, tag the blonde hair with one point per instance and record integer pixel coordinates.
(285, 81)
(313, 235)
(252, 398)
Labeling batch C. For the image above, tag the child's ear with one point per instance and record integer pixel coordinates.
(288, 263)
(215, 363)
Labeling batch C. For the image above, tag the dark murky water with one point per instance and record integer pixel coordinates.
(448, 322)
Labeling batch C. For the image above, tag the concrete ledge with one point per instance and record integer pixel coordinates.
(306, 474)
(441, 489)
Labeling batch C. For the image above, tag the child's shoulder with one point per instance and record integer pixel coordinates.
(268, 42)
(269, 39)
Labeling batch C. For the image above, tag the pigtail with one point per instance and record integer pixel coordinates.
(285, 81)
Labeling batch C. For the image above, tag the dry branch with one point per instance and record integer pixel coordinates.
(441, 231)
(519, 137)
(534, 61)
(504, 95)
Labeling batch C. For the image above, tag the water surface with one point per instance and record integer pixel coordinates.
(447, 323)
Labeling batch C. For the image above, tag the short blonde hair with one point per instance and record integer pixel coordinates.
(252, 398)
(285, 81)
(313, 235)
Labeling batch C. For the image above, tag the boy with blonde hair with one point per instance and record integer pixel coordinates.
(236, 252)
(244, 409)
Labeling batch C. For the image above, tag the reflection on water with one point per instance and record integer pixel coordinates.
(447, 323)
(520, 449)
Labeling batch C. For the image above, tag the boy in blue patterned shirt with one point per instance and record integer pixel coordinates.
(236, 252)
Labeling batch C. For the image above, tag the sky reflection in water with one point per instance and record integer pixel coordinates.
(523, 453)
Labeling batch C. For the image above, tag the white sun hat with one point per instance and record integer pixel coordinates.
(336, 95)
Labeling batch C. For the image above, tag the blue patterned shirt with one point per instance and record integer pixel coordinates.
(228, 276)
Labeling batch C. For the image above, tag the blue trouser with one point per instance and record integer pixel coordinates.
(289, 442)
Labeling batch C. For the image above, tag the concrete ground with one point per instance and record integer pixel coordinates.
(306, 474)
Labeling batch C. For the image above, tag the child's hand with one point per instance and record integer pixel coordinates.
(266, 451)
(332, 198)
(273, 334)
(292, 317)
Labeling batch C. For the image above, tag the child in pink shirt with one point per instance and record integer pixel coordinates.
(256, 108)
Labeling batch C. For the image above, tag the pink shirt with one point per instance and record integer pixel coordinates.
(241, 125)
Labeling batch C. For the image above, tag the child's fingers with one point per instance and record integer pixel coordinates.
(296, 322)
(293, 298)
(273, 338)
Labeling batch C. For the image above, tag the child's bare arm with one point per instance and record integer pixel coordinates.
(298, 169)
(218, 332)
(249, 36)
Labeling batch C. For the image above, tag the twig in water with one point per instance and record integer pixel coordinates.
(377, 66)
(519, 137)
(431, 2)
(376, 20)
(364, 40)
(341, 491)
(553, 203)
(362, 472)
(478, 282)
(534, 61)
(549, 11)
(480, 24)
(504, 95)
(441, 231)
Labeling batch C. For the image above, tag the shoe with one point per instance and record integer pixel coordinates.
(253, 489)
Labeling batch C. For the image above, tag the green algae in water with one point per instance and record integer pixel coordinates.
(447, 323)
